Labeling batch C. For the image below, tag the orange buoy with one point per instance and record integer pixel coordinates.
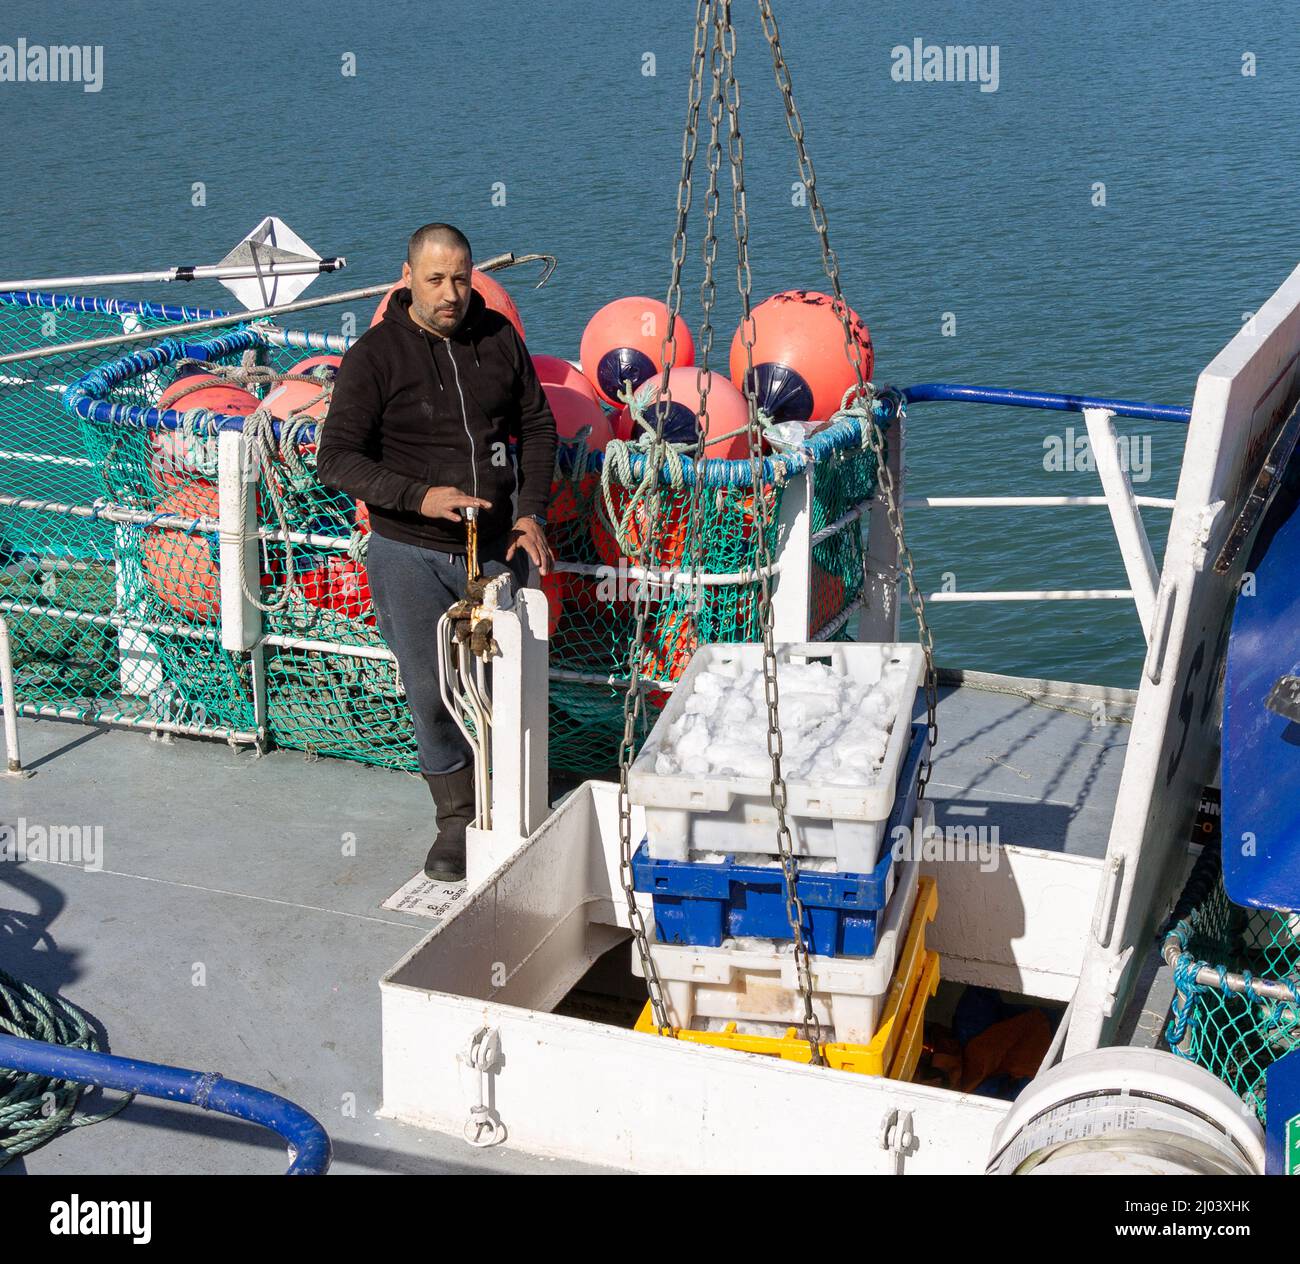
(340, 585)
(575, 408)
(573, 411)
(568, 503)
(552, 371)
(801, 370)
(556, 586)
(217, 394)
(728, 413)
(325, 367)
(168, 465)
(383, 303)
(495, 296)
(304, 399)
(673, 526)
(182, 569)
(623, 342)
(828, 593)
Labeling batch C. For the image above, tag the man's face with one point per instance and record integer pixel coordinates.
(440, 286)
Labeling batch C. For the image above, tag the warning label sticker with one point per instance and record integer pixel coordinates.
(425, 897)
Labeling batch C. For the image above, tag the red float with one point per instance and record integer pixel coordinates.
(801, 369)
(623, 342)
(557, 586)
(303, 399)
(728, 414)
(167, 464)
(552, 371)
(340, 585)
(182, 569)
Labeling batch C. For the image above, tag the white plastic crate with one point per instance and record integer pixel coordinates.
(694, 814)
(760, 985)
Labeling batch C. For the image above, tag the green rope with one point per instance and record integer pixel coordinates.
(34, 1109)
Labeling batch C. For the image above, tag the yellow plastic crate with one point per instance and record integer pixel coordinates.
(909, 1047)
(896, 1045)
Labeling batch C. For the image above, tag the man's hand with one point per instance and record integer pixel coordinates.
(447, 502)
(527, 534)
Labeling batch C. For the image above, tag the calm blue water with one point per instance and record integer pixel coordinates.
(941, 198)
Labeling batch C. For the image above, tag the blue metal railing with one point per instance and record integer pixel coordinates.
(308, 1141)
(925, 392)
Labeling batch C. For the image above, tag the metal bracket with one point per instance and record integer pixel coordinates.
(483, 1128)
(1162, 624)
(1284, 700)
(1114, 977)
(1104, 916)
(897, 1137)
(1269, 480)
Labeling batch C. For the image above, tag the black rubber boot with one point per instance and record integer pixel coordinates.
(453, 793)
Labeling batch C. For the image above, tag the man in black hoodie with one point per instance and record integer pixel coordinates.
(426, 408)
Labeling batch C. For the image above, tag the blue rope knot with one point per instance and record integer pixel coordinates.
(1187, 991)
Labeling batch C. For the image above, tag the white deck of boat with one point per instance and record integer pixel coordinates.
(218, 859)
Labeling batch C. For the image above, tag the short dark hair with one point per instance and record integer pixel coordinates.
(443, 234)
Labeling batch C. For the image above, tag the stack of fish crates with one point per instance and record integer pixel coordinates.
(723, 945)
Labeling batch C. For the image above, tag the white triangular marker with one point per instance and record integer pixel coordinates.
(272, 241)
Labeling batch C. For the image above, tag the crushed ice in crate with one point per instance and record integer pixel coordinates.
(755, 943)
(834, 728)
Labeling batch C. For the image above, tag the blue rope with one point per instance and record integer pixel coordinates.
(843, 432)
(87, 398)
(1187, 991)
(106, 306)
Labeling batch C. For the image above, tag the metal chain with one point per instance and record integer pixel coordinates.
(763, 532)
(875, 435)
(632, 698)
(715, 40)
(708, 295)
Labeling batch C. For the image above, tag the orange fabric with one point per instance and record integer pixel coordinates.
(1015, 1046)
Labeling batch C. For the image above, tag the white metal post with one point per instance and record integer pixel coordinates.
(241, 620)
(520, 719)
(13, 760)
(1129, 531)
(139, 668)
(792, 586)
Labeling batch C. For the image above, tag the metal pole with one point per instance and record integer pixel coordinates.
(14, 763)
(232, 318)
(1052, 400)
(309, 1144)
(201, 272)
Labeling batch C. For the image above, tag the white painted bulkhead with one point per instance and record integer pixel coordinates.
(573, 1088)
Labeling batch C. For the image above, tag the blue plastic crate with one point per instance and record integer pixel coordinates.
(704, 904)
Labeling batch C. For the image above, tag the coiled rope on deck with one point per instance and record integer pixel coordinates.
(33, 1108)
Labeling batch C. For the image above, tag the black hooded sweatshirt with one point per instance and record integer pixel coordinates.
(410, 411)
